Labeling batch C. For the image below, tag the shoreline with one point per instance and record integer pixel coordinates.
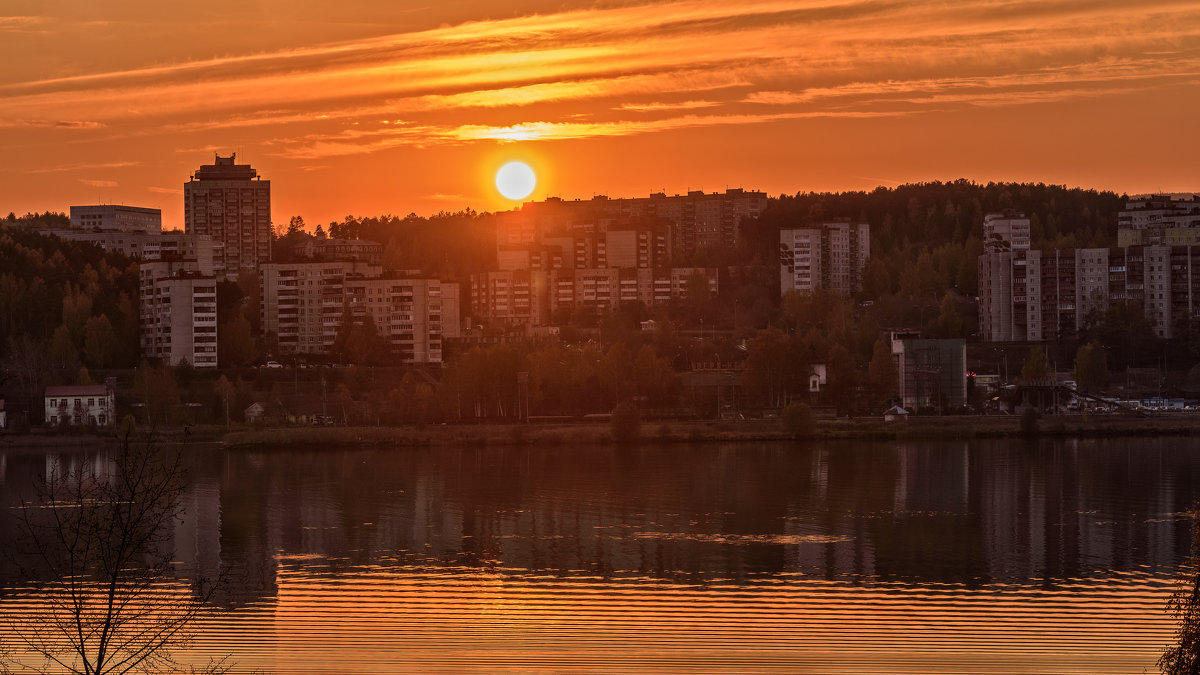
(951, 427)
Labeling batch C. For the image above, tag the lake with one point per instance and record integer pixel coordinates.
(974, 557)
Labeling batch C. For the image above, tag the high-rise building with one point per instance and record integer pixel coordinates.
(115, 217)
(1007, 231)
(831, 255)
(178, 312)
(231, 203)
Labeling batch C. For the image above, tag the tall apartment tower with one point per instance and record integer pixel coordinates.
(831, 255)
(229, 202)
(178, 308)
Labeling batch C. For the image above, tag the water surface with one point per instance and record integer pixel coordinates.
(980, 557)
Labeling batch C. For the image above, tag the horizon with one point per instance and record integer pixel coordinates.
(371, 107)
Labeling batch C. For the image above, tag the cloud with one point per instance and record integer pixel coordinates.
(165, 191)
(60, 124)
(87, 166)
(17, 24)
(656, 106)
(98, 183)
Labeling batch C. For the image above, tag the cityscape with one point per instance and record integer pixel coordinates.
(643, 336)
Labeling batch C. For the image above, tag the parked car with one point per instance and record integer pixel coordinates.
(273, 364)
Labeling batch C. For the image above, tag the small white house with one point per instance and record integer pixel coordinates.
(80, 405)
(895, 414)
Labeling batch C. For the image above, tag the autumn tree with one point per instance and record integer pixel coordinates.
(881, 372)
(949, 324)
(100, 343)
(1183, 656)
(1091, 367)
(1036, 367)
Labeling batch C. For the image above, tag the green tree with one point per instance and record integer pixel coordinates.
(235, 343)
(226, 393)
(842, 379)
(1091, 367)
(1036, 367)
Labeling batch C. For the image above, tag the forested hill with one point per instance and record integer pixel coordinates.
(943, 222)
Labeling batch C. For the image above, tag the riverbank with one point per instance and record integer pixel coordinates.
(916, 428)
(864, 428)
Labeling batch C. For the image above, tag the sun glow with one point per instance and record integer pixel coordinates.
(516, 180)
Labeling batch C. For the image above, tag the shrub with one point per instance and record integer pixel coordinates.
(1029, 422)
(626, 422)
(797, 420)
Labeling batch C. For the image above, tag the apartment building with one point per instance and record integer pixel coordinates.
(1159, 220)
(178, 313)
(147, 247)
(116, 217)
(830, 255)
(231, 203)
(305, 303)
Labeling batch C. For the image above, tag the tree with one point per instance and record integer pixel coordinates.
(99, 341)
(226, 392)
(841, 378)
(98, 540)
(881, 372)
(797, 420)
(1036, 366)
(1091, 367)
(626, 422)
(1183, 657)
(949, 324)
(235, 344)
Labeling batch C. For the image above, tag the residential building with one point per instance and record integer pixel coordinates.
(325, 249)
(232, 204)
(831, 255)
(178, 312)
(1006, 231)
(145, 247)
(931, 373)
(1159, 220)
(304, 304)
(694, 221)
(80, 405)
(116, 218)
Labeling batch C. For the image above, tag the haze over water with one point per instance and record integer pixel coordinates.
(990, 557)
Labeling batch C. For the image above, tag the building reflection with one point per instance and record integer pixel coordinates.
(977, 514)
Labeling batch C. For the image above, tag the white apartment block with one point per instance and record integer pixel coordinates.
(304, 304)
(178, 311)
(115, 217)
(230, 203)
(1007, 231)
(830, 255)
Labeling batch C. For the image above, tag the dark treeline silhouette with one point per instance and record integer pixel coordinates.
(63, 306)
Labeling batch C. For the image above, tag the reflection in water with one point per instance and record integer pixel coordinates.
(992, 556)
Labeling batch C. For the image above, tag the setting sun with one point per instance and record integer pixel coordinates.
(515, 180)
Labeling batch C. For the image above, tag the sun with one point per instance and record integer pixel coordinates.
(516, 180)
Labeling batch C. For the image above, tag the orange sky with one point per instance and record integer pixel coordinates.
(365, 108)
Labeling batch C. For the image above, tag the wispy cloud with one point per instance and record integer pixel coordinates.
(86, 166)
(656, 106)
(50, 123)
(98, 183)
(801, 59)
(165, 191)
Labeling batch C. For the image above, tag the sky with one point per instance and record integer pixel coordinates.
(368, 108)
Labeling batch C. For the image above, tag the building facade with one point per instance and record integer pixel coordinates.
(305, 303)
(116, 218)
(930, 373)
(178, 312)
(232, 204)
(1159, 220)
(80, 405)
(831, 255)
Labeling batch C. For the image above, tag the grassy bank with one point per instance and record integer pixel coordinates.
(917, 428)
